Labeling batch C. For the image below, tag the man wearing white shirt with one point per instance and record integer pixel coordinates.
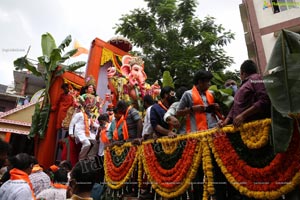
(19, 186)
(147, 128)
(80, 129)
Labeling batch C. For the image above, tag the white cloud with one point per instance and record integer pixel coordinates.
(227, 13)
(6, 73)
(23, 23)
(4, 16)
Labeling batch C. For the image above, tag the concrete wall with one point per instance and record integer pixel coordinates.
(266, 17)
(268, 43)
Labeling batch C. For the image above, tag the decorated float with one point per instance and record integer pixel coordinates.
(260, 159)
(251, 157)
(117, 73)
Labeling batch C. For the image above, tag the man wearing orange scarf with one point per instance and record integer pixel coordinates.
(158, 111)
(117, 131)
(127, 124)
(201, 113)
(19, 186)
(39, 179)
(58, 189)
(80, 128)
(198, 105)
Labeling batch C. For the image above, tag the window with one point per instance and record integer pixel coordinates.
(282, 5)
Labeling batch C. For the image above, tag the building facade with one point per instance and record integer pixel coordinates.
(262, 21)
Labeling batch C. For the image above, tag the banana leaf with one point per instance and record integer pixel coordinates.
(73, 67)
(68, 55)
(282, 82)
(23, 63)
(217, 80)
(76, 65)
(65, 43)
(55, 59)
(35, 120)
(223, 97)
(46, 68)
(48, 44)
(281, 125)
(43, 120)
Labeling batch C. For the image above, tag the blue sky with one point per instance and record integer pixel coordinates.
(23, 22)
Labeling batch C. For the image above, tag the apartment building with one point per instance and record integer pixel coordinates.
(262, 21)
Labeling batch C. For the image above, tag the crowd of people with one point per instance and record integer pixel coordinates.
(25, 179)
(178, 111)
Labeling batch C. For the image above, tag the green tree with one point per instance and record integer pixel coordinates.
(172, 38)
(49, 66)
(167, 79)
(220, 78)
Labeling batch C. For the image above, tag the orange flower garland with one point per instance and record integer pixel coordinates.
(182, 181)
(120, 149)
(270, 182)
(118, 173)
(117, 176)
(279, 177)
(86, 124)
(172, 177)
(140, 168)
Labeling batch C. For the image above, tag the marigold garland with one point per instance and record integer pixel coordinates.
(169, 146)
(282, 173)
(170, 177)
(168, 161)
(140, 167)
(181, 182)
(117, 176)
(256, 134)
(119, 157)
(258, 158)
(270, 182)
(207, 167)
(119, 150)
(205, 195)
(118, 172)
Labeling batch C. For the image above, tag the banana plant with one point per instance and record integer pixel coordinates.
(223, 96)
(48, 66)
(282, 82)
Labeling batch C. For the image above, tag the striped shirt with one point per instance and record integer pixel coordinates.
(132, 121)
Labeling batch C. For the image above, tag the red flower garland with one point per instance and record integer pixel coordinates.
(118, 173)
(172, 177)
(281, 170)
